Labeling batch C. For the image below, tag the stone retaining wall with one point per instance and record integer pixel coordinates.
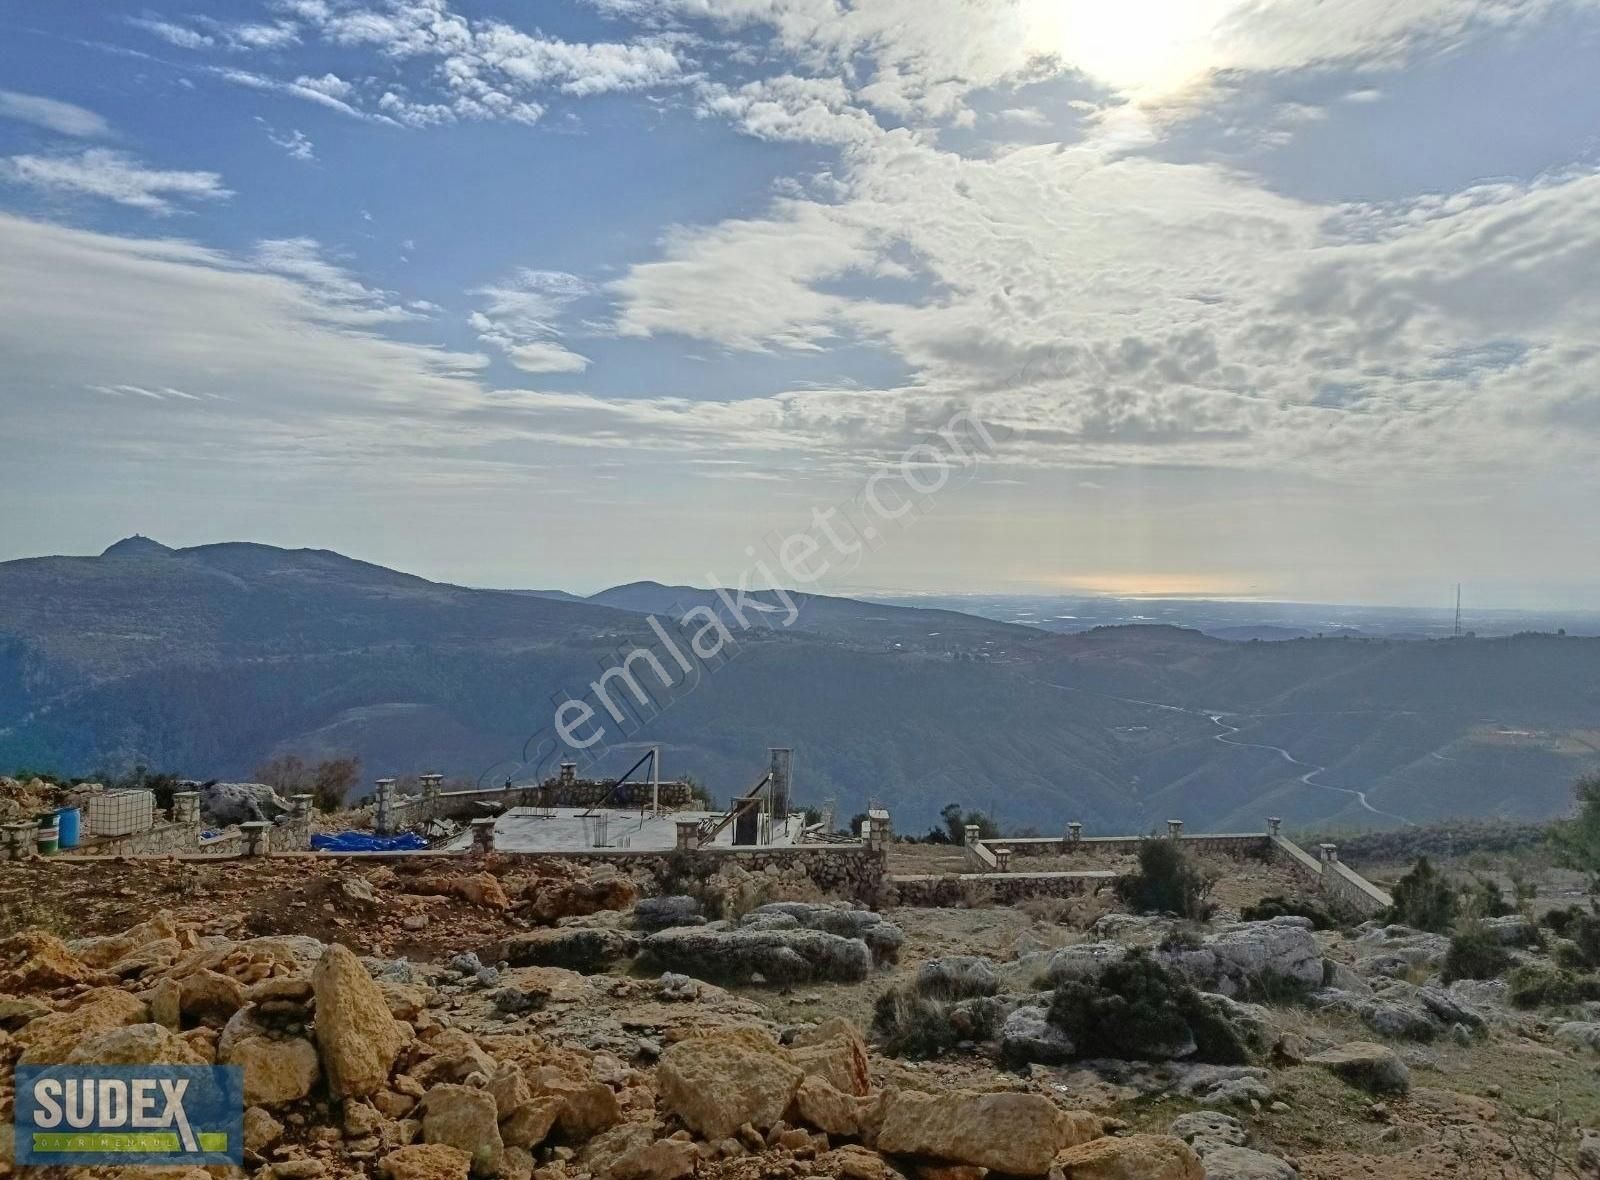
(975, 889)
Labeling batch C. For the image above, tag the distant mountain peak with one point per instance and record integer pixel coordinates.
(138, 545)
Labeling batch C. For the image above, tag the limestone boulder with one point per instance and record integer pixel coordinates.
(425, 1161)
(464, 1118)
(530, 1123)
(277, 1069)
(717, 1083)
(210, 996)
(780, 957)
(818, 1103)
(1133, 1157)
(665, 1159)
(1244, 1163)
(47, 1040)
(836, 1051)
(1015, 1133)
(37, 961)
(135, 1044)
(358, 1037)
(1369, 1066)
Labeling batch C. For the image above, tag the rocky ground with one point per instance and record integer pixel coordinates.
(527, 1021)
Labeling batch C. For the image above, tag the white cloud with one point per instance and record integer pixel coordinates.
(295, 143)
(53, 115)
(174, 34)
(113, 176)
(483, 69)
(520, 315)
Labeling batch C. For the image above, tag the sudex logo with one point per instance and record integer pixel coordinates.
(156, 1115)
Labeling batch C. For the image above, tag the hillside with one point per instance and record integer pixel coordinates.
(209, 660)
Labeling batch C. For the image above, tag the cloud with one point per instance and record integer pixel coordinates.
(302, 259)
(519, 318)
(53, 115)
(113, 176)
(295, 143)
(481, 69)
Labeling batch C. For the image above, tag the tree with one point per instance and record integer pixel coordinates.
(1577, 840)
(1424, 899)
(956, 822)
(285, 774)
(332, 780)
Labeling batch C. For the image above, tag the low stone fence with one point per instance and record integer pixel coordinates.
(1331, 877)
(994, 879)
(953, 890)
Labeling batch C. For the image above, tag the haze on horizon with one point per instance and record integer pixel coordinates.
(1275, 300)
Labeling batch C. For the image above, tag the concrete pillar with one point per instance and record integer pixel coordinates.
(877, 833)
(383, 821)
(1273, 823)
(1074, 833)
(1330, 853)
(1002, 860)
(301, 805)
(569, 774)
(482, 833)
(688, 835)
(186, 807)
(1175, 828)
(19, 840)
(257, 837)
(970, 839)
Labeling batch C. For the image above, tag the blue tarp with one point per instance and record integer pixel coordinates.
(366, 842)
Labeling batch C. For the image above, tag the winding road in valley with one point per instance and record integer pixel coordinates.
(1227, 738)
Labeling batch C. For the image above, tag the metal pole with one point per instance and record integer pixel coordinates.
(655, 780)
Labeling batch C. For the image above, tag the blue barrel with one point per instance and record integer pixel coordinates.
(67, 823)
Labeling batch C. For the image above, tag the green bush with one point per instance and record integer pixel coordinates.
(1583, 928)
(910, 1024)
(1475, 954)
(1278, 906)
(1166, 882)
(1546, 987)
(1135, 1008)
(1424, 899)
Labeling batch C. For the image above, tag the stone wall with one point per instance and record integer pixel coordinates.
(974, 889)
(1239, 845)
(1332, 878)
(851, 871)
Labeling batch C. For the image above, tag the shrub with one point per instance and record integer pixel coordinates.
(1166, 882)
(1424, 899)
(1545, 987)
(1474, 954)
(1137, 1008)
(1278, 906)
(956, 821)
(914, 1025)
(1583, 928)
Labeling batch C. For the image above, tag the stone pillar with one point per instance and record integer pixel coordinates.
(383, 821)
(482, 833)
(186, 807)
(257, 835)
(300, 806)
(430, 795)
(688, 835)
(19, 840)
(1074, 833)
(1002, 860)
(877, 833)
(970, 837)
(1175, 828)
(1273, 824)
(1330, 853)
(568, 775)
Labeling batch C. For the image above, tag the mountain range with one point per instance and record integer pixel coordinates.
(208, 661)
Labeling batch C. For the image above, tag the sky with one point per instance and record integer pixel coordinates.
(1260, 298)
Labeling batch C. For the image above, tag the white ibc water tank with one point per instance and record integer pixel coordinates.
(120, 813)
